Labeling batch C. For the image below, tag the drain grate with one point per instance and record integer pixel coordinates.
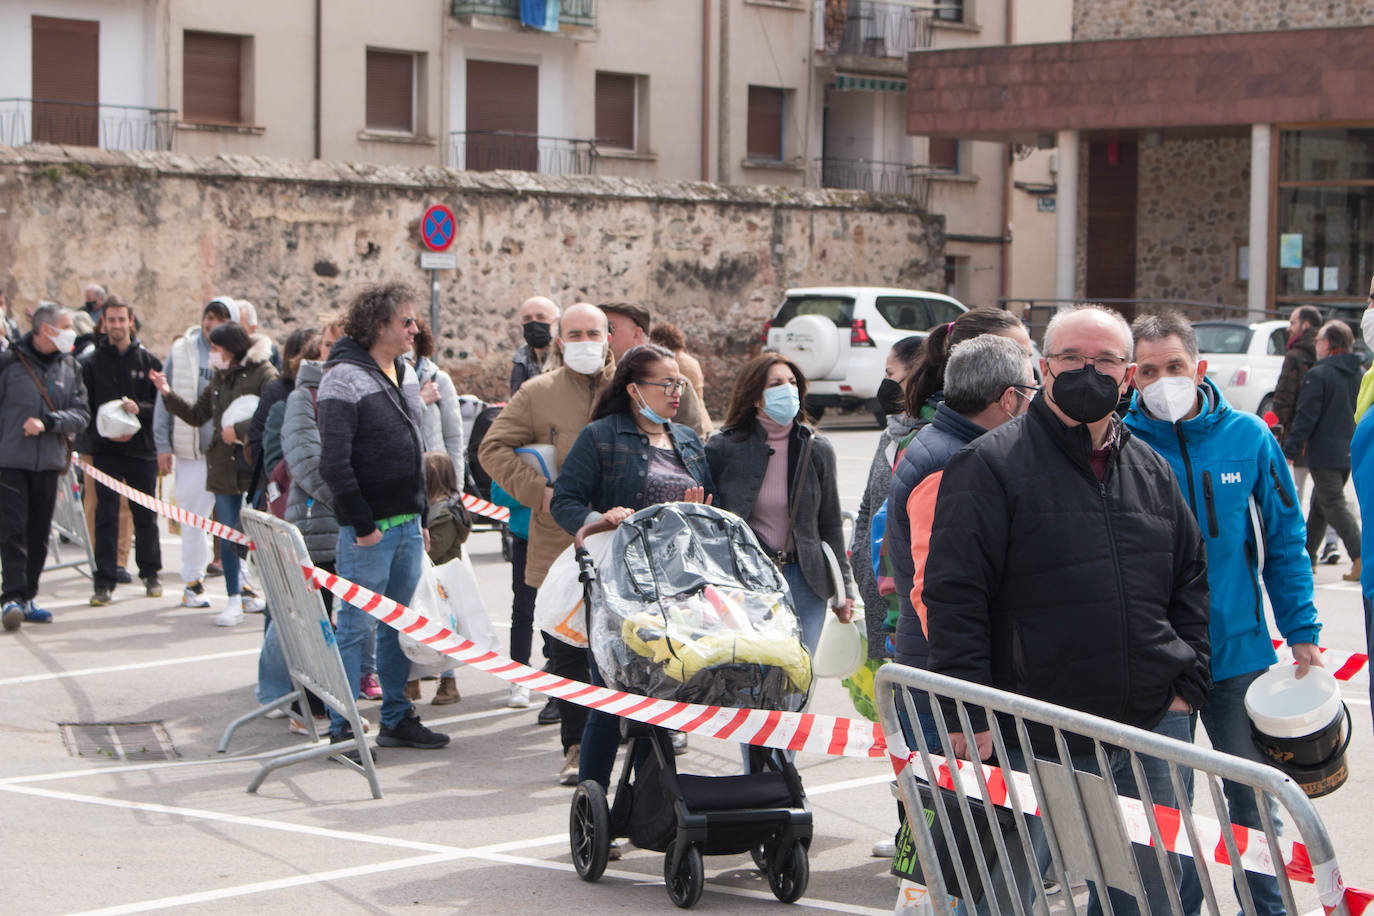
(118, 740)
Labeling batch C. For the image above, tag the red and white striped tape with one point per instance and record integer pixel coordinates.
(482, 507)
(810, 732)
(164, 508)
(1344, 666)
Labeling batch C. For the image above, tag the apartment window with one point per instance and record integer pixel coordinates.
(950, 11)
(617, 110)
(66, 76)
(766, 110)
(391, 91)
(212, 78)
(944, 153)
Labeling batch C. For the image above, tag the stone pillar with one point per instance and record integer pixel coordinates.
(1257, 295)
(1066, 216)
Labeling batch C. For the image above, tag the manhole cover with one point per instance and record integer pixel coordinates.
(118, 740)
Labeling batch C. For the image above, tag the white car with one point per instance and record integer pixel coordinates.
(839, 336)
(1244, 359)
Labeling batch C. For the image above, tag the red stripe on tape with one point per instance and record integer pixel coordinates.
(735, 722)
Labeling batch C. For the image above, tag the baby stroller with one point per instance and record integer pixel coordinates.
(690, 608)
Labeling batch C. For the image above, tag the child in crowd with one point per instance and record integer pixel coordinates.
(449, 527)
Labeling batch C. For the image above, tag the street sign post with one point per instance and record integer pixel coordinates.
(437, 229)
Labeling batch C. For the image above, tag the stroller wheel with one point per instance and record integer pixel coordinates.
(686, 882)
(789, 882)
(589, 830)
(759, 854)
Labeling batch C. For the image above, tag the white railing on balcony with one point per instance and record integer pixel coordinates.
(126, 127)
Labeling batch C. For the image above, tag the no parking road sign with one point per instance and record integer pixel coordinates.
(437, 227)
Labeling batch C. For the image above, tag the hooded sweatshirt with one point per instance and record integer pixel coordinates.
(1324, 421)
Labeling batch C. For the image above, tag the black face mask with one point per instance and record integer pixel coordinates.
(537, 334)
(891, 396)
(1085, 395)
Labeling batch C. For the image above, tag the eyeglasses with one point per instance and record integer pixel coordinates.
(1022, 389)
(1074, 361)
(670, 387)
(408, 322)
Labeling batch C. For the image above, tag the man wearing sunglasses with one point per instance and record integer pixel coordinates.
(372, 458)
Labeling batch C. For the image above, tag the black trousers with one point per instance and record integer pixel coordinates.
(27, 499)
(522, 603)
(570, 662)
(141, 474)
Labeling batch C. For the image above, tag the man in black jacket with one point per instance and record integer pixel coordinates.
(1323, 425)
(1065, 565)
(118, 371)
(372, 458)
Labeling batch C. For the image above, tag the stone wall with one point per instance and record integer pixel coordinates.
(1097, 19)
(1194, 205)
(169, 232)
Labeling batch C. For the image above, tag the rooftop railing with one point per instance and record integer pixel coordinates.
(126, 127)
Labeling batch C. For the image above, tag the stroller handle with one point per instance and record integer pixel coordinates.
(589, 529)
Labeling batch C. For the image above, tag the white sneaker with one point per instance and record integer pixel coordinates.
(232, 615)
(252, 604)
(194, 596)
(519, 697)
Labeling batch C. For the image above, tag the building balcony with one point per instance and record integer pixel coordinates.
(877, 177)
(580, 14)
(872, 28)
(488, 150)
(124, 127)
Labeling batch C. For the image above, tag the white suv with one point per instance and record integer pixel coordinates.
(839, 336)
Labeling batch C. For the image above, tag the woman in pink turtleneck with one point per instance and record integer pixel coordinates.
(756, 465)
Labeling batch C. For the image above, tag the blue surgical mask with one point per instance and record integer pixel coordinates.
(781, 403)
(649, 413)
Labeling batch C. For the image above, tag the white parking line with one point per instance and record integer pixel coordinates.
(110, 669)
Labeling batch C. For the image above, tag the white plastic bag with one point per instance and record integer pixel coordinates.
(447, 595)
(240, 409)
(113, 422)
(843, 647)
(558, 608)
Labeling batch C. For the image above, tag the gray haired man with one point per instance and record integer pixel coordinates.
(42, 405)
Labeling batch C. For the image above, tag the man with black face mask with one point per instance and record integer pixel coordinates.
(1065, 565)
(538, 315)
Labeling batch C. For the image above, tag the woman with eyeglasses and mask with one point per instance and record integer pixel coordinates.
(631, 455)
(241, 368)
(777, 473)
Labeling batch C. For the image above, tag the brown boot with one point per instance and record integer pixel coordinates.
(447, 692)
(1354, 574)
(412, 690)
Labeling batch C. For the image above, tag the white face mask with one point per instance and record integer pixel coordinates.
(584, 356)
(218, 362)
(63, 340)
(1367, 327)
(1171, 397)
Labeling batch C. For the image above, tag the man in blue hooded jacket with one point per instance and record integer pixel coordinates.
(1233, 474)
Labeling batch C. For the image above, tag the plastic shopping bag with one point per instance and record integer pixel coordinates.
(448, 595)
(558, 606)
(113, 422)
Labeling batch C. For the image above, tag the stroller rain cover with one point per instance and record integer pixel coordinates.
(690, 608)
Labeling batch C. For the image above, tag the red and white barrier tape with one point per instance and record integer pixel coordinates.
(811, 732)
(165, 508)
(1344, 666)
(482, 507)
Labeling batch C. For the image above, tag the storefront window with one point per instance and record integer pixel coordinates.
(1325, 216)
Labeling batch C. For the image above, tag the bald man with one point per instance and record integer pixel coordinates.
(538, 316)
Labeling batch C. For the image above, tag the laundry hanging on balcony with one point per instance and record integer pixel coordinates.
(540, 14)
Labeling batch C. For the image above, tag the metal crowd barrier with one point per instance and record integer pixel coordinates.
(1081, 830)
(307, 642)
(68, 534)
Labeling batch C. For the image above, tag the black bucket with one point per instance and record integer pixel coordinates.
(1302, 727)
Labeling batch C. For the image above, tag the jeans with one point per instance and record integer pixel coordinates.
(1329, 505)
(522, 603)
(1228, 728)
(274, 680)
(227, 509)
(600, 737)
(141, 474)
(391, 567)
(29, 498)
(1178, 725)
(810, 606)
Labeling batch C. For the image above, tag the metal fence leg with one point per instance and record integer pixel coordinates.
(281, 702)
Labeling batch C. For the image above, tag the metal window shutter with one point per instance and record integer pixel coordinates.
(211, 78)
(615, 110)
(944, 153)
(390, 91)
(502, 97)
(765, 123)
(66, 69)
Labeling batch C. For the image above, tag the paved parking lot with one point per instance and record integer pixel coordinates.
(479, 826)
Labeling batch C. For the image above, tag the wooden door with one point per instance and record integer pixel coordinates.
(1113, 175)
(66, 81)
